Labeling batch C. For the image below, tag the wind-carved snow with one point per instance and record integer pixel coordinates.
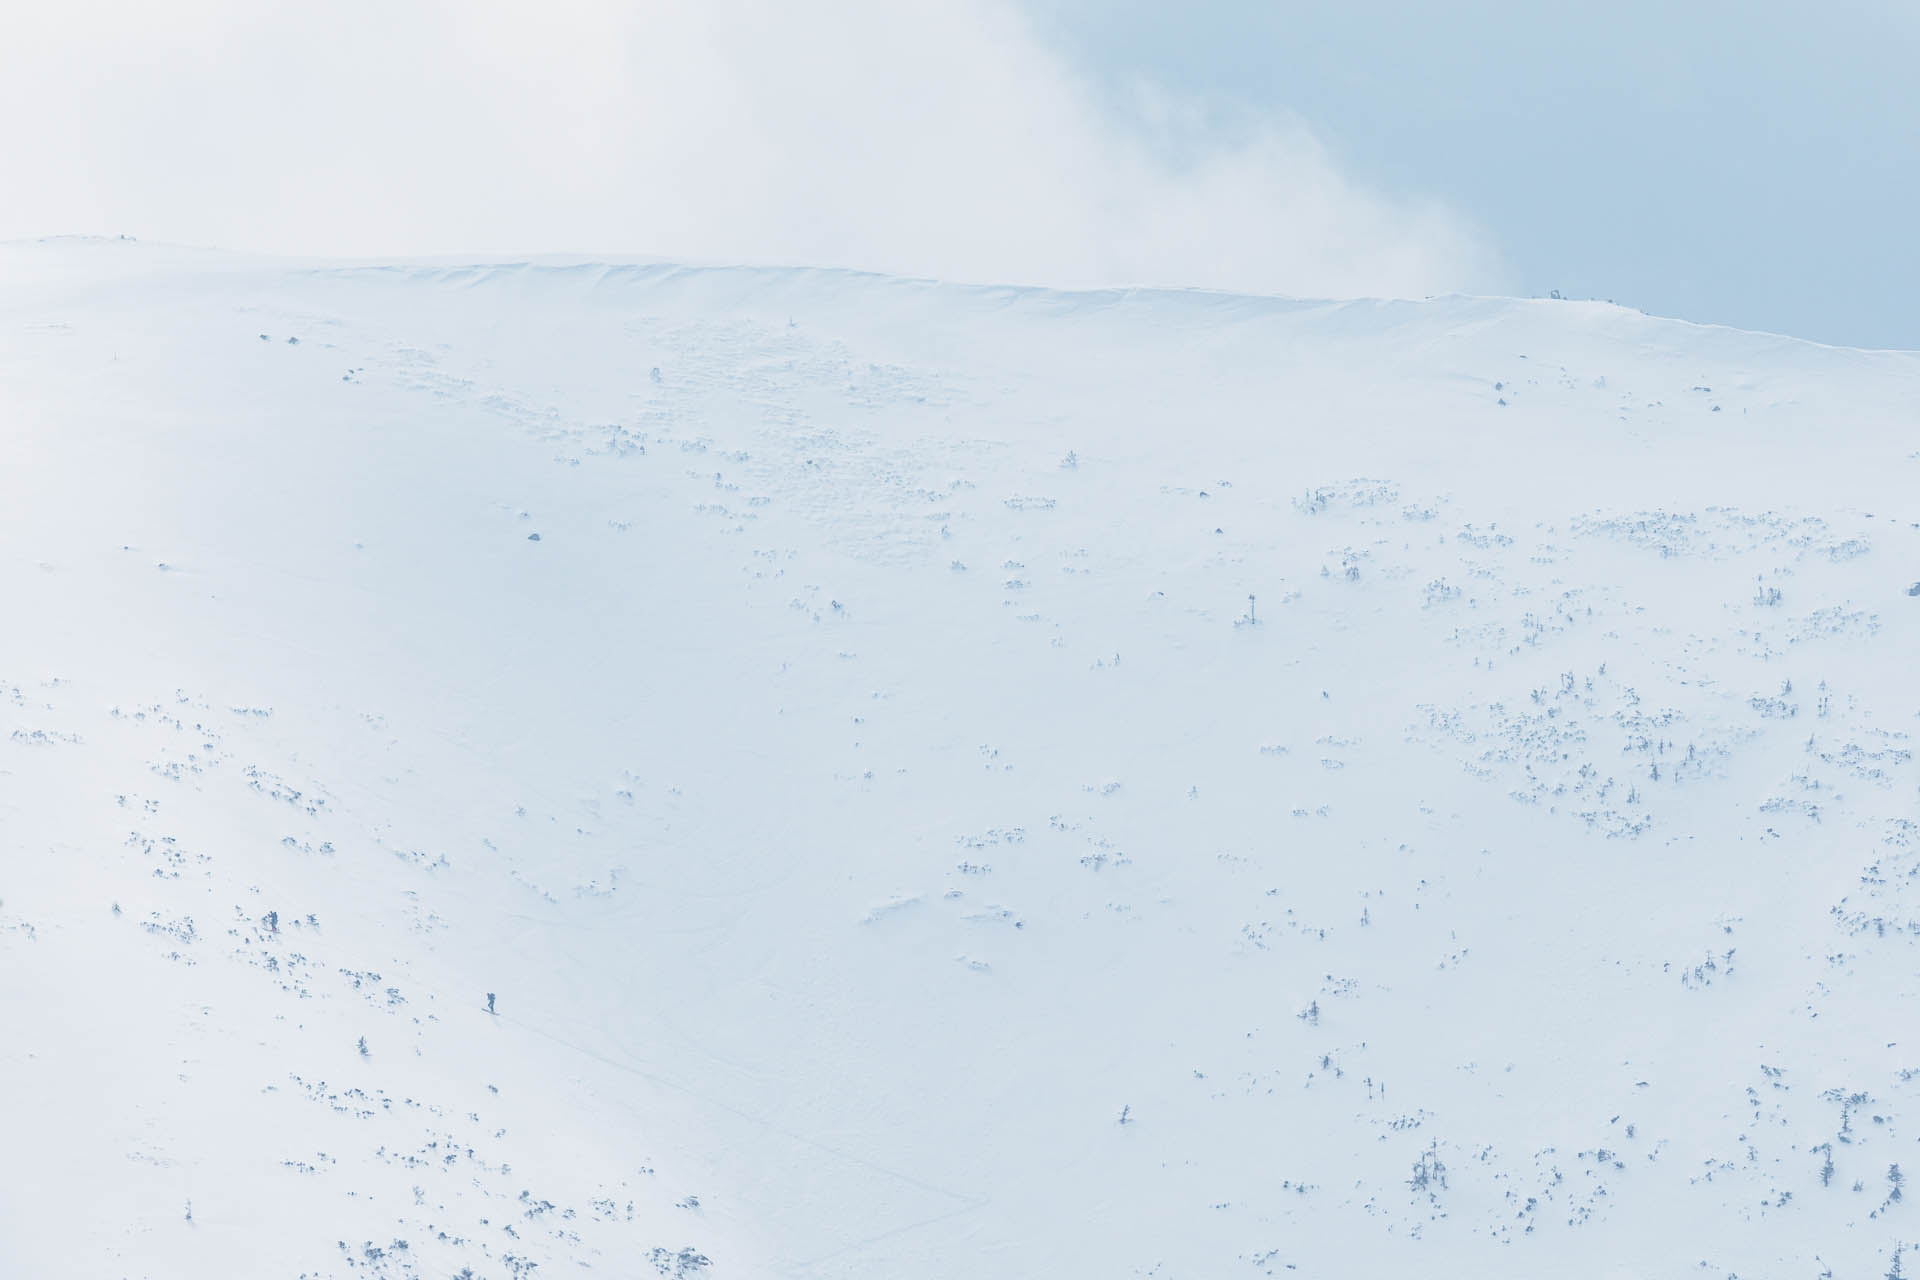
(523, 769)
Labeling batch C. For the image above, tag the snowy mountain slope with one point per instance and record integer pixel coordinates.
(943, 781)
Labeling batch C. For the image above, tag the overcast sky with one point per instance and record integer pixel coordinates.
(1754, 164)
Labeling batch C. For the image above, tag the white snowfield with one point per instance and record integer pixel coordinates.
(944, 782)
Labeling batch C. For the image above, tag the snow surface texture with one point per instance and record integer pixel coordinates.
(943, 782)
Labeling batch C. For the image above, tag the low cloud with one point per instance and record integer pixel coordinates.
(930, 137)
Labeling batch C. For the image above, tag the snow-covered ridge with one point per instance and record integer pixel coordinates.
(738, 282)
(943, 780)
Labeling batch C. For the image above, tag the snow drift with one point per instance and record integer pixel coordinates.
(942, 781)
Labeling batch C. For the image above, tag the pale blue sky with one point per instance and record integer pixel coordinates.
(1753, 164)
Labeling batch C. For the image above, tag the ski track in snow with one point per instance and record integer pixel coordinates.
(944, 781)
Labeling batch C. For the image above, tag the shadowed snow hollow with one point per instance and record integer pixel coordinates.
(943, 782)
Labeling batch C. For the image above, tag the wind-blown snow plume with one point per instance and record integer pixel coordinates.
(941, 137)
